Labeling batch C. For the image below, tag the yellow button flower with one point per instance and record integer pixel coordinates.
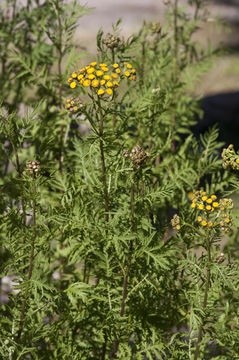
(127, 73)
(99, 73)
(209, 201)
(90, 70)
(227, 220)
(103, 65)
(87, 67)
(69, 80)
(74, 75)
(91, 76)
(80, 76)
(86, 83)
(100, 92)
(73, 84)
(237, 161)
(109, 91)
(193, 205)
(95, 83)
(204, 223)
(190, 195)
(199, 219)
(104, 68)
(204, 198)
(129, 66)
(133, 71)
(213, 197)
(210, 224)
(215, 204)
(208, 207)
(118, 71)
(115, 83)
(114, 76)
(93, 63)
(102, 82)
(107, 77)
(200, 206)
(131, 78)
(115, 65)
(109, 84)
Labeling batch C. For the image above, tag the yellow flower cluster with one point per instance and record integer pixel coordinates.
(129, 71)
(230, 158)
(101, 78)
(72, 106)
(212, 212)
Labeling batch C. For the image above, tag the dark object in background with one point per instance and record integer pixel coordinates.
(223, 110)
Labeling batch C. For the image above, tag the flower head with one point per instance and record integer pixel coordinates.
(230, 158)
(211, 213)
(108, 77)
(33, 168)
(138, 156)
(175, 222)
(73, 105)
(112, 41)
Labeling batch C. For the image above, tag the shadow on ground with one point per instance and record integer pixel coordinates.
(221, 109)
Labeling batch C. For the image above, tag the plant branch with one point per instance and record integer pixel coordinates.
(59, 67)
(175, 32)
(208, 278)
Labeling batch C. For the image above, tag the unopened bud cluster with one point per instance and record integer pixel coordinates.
(156, 90)
(112, 41)
(32, 168)
(155, 28)
(176, 222)
(230, 158)
(73, 105)
(220, 258)
(137, 155)
(211, 211)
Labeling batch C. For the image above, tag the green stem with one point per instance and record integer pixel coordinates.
(30, 269)
(175, 32)
(207, 287)
(103, 167)
(59, 67)
(128, 266)
(105, 192)
(22, 200)
(151, 129)
(197, 8)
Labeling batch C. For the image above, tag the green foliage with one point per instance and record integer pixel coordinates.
(87, 196)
